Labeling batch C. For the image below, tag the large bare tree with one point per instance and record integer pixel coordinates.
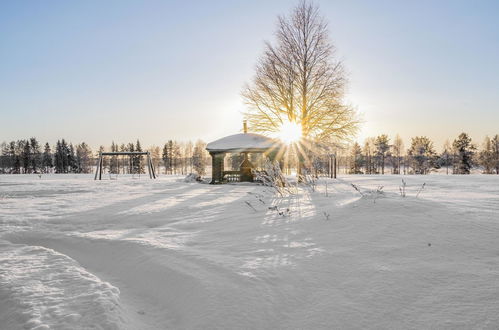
(298, 80)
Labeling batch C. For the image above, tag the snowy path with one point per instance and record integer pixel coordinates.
(166, 254)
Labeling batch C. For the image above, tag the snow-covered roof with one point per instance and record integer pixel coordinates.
(242, 142)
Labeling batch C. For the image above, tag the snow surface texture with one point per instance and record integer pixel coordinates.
(41, 288)
(156, 254)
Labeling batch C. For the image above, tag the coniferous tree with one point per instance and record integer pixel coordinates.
(123, 148)
(58, 163)
(17, 157)
(25, 149)
(168, 157)
(84, 158)
(495, 152)
(72, 161)
(421, 155)
(465, 150)
(15, 161)
(382, 147)
(4, 158)
(47, 162)
(132, 159)
(63, 152)
(356, 159)
(65, 155)
(79, 167)
(164, 157)
(36, 155)
(8, 153)
(139, 162)
(59, 157)
(113, 163)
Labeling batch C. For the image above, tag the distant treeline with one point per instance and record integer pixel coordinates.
(28, 156)
(378, 155)
(458, 157)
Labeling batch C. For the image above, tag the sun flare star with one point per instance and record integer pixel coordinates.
(290, 132)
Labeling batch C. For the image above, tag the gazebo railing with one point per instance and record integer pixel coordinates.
(232, 176)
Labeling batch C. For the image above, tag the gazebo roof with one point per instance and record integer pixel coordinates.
(241, 142)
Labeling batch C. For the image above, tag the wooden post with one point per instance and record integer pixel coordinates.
(148, 160)
(217, 167)
(100, 167)
(97, 166)
(152, 168)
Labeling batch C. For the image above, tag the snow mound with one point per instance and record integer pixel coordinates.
(43, 289)
(193, 177)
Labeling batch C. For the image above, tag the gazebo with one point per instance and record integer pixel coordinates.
(238, 143)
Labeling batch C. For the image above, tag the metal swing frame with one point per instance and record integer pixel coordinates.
(99, 165)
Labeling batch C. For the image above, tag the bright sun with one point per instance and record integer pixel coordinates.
(290, 132)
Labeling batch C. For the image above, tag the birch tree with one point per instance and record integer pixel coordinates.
(397, 150)
(298, 80)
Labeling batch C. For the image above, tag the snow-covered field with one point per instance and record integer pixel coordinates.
(157, 254)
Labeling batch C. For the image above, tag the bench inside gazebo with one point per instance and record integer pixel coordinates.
(238, 143)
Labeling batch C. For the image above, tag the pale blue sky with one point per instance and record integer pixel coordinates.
(96, 71)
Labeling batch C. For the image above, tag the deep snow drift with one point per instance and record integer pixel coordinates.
(154, 254)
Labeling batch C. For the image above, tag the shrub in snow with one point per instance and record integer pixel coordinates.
(193, 177)
(281, 212)
(372, 193)
(309, 180)
(402, 188)
(272, 176)
(420, 189)
(357, 188)
(465, 151)
(377, 193)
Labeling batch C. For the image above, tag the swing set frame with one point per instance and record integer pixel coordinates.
(99, 165)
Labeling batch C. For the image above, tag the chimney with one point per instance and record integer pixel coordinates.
(245, 127)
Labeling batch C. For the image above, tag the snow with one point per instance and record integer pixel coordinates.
(242, 141)
(41, 288)
(156, 254)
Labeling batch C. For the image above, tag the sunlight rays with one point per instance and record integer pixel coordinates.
(293, 147)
